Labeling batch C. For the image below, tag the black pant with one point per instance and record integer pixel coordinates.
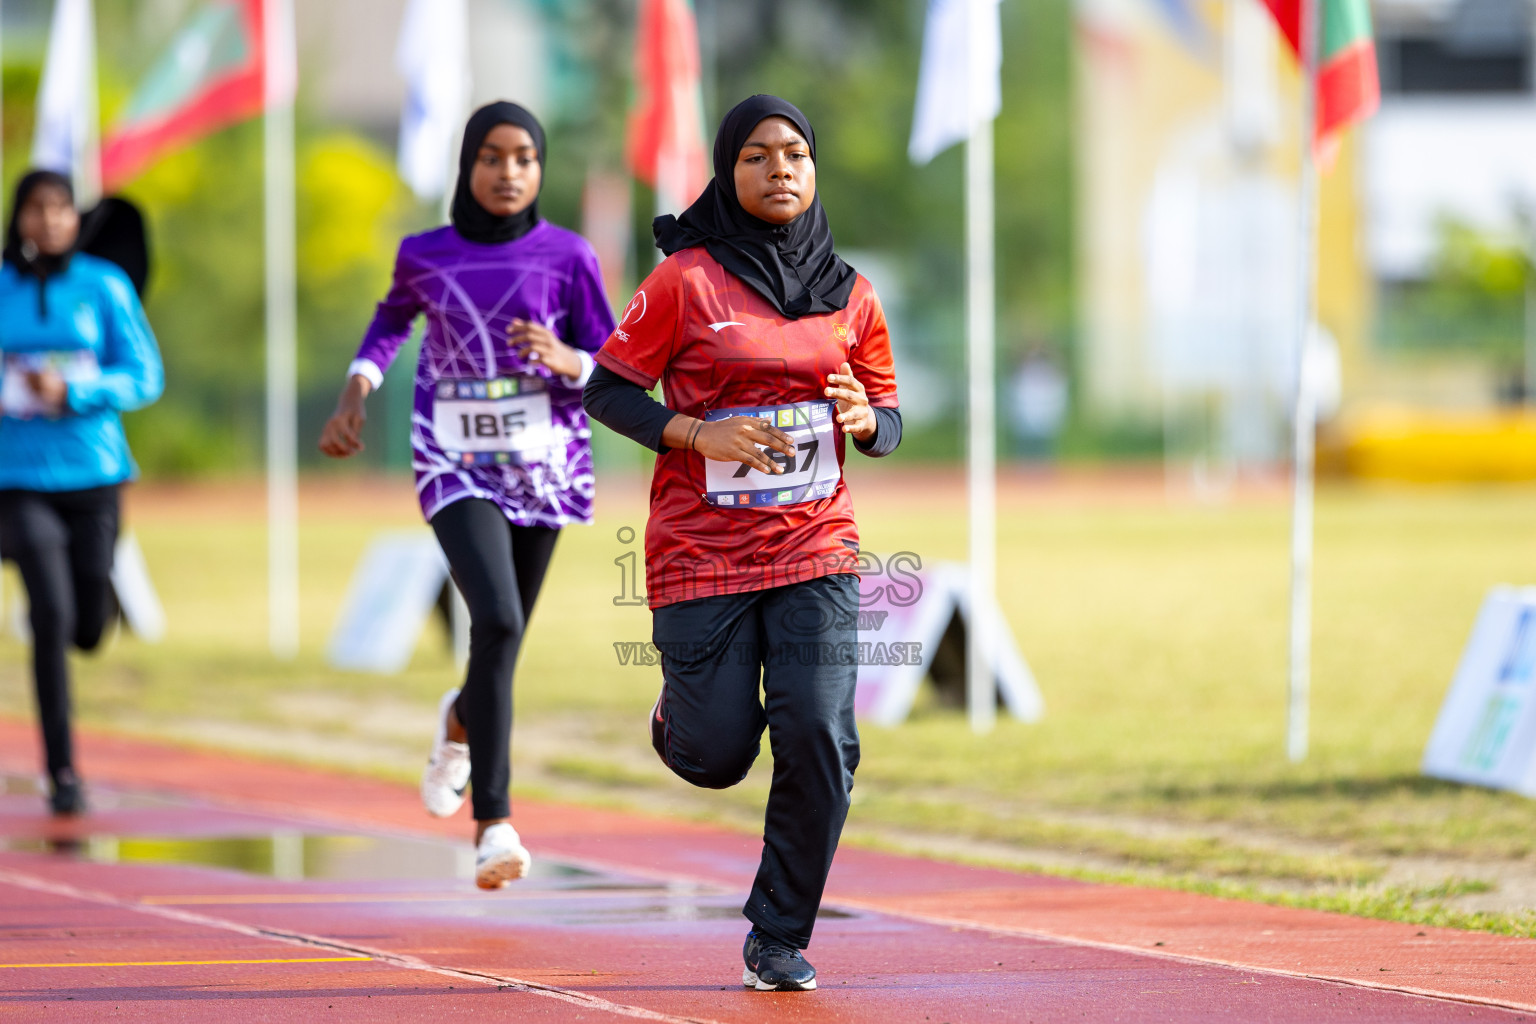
(499, 569)
(802, 639)
(62, 543)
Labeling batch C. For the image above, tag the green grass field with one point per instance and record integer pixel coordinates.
(1156, 627)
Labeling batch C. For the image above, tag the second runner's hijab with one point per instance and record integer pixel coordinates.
(470, 219)
(24, 255)
(792, 265)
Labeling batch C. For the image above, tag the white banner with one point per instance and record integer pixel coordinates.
(392, 595)
(65, 136)
(1486, 732)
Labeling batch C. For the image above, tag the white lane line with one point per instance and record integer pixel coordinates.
(294, 938)
(970, 924)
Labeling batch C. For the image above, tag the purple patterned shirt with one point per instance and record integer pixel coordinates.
(469, 293)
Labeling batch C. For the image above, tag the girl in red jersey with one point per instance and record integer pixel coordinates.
(771, 352)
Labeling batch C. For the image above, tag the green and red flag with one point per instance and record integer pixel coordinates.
(210, 77)
(1348, 88)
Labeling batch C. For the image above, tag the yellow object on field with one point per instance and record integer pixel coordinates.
(1430, 447)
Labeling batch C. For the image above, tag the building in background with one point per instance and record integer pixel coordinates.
(1187, 227)
(1449, 176)
(357, 82)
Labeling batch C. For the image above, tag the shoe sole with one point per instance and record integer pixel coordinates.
(749, 979)
(506, 868)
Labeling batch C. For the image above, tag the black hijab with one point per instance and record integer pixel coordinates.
(791, 265)
(472, 220)
(24, 256)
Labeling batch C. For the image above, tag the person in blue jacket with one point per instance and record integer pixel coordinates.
(75, 351)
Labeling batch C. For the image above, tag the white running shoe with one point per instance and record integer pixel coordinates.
(500, 858)
(446, 776)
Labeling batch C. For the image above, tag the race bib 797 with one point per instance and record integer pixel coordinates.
(810, 474)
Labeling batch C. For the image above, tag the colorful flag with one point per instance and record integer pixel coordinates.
(1186, 24)
(1348, 89)
(959, 82)
(212, 76)
(665, 145)
(433, 56)
(65, 137)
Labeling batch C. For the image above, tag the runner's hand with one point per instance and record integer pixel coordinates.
(50, 389)
(741, 439)
(343, 432)
(538, 344)
(853, 410)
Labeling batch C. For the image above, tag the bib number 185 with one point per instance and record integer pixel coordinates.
(487, 425)
(492, 421)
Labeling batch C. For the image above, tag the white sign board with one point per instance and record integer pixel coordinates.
(393, 592)
(1486, 732)
(904, 613)
(142, 611)
(137, 599)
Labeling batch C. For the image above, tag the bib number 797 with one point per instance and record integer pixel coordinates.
(808, 448)
(809, 473)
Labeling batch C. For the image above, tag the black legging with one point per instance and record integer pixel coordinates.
(62, 542)
(499, 569)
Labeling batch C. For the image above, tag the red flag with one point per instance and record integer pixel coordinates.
(665, 145)
(210, 77)
(1348, 88)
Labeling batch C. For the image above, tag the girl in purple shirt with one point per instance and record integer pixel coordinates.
(500, 443)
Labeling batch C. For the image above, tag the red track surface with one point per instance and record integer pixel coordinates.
(649, 931)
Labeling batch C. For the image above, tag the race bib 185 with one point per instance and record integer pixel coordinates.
(810, 474)
(18, 400)
(493, 421)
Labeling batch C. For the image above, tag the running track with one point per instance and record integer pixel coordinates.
(630, 918)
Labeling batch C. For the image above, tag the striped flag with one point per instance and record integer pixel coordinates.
(1348, 89)
(665, 143)
(210, 77)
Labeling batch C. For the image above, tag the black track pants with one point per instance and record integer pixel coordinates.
(499, 569)
(801, 641)
(62, 542)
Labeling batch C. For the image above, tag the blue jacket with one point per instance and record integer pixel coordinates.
(96, 335)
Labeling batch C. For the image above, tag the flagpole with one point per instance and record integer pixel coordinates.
(282, 331)
(981, 455)
(88, 172)
(1304, 417)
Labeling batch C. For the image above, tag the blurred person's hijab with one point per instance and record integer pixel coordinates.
(24, 254)
(469, 218)
(791, 265)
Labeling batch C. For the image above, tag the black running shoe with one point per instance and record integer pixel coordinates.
(67, 798)
(773, 966)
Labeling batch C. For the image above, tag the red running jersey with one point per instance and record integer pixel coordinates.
(715, 343)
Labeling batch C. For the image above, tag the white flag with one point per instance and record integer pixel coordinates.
(66, 136)
(433, 55)
(959, 81)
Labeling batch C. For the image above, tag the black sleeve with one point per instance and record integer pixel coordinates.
(624, 407)
(887, 433)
